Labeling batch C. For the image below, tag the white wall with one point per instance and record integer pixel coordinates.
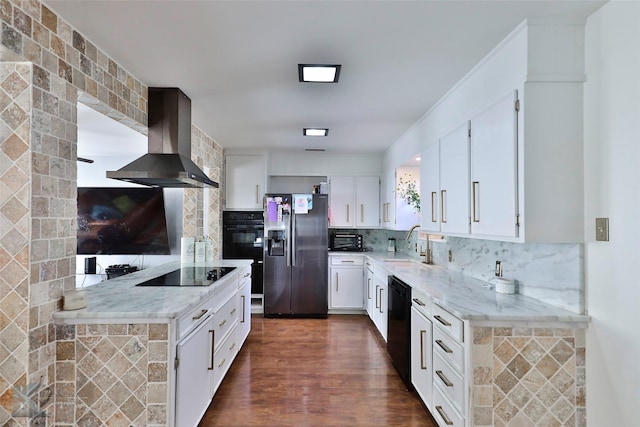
(612, 184)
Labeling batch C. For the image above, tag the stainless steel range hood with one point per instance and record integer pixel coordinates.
(168, 162)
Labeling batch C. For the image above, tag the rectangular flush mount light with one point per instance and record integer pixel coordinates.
(315, 132)
(318, 73)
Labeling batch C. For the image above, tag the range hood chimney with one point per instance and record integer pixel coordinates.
(168, 162)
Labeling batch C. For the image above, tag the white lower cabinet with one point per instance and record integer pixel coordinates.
(369, 298)
(346, 282)
(207, 340)
(381, 299)
(421, 348)
(194, 374)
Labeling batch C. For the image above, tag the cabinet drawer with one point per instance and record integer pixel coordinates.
(447, 322)
(449, 382)
(347, 260)
(444, 413)
(225, 318)
(226, 351)
(193, 317)
(244, 276)
(449, 349)
(421, 303)
(369, 264)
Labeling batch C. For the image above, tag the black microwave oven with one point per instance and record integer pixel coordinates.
(345, 242)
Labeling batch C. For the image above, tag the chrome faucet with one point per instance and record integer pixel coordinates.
(427, 252)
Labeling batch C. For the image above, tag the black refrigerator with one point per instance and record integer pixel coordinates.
(295, 255)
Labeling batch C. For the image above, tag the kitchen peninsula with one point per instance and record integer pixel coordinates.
(151, 355)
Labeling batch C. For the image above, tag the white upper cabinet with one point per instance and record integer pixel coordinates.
(353, 201)
(244, 181)
(396, 212)
(367, 200)
(494, 178)
(454, 181)
(430, 188)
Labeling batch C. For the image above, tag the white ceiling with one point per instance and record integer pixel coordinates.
(237, 60)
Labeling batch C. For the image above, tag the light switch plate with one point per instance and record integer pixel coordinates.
(602, 229)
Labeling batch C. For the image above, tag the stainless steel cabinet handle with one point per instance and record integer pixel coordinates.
(257, 193)
(336, 282)
(222, 323)
(247, 274)
(444, 379)
(443, 196)
(423, 333)
(381, 291)
(361, 213)
(233, 311)
(369, 288)
(244, 300)
(232, 346)
(222, 363)
(347, 261)
(347, 212)
(199, 316)
(213, 342)
(446, 419)
(444, 346)
(475, 193)
(434, 197)
(441, 320)
(377, 293)
(420, 303)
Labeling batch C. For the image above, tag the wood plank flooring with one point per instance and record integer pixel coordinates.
(314, 372)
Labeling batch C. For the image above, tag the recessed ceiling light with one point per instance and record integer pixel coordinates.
(418, 159)
(319, 73)
(315, 131)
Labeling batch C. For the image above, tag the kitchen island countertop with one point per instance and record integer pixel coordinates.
(470, 298)
(120, 301)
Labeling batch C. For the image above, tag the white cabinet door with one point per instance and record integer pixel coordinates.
(430, 188)
(454, 181)
(244, 308)
(494, 170)
(367, 190)
(341, 199)
(346, 288)
(381, 304)
(245, 181)
(388, 196)
(369, 297)
(421, 356)
(194, 375)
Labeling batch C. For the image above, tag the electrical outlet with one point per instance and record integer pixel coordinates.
(602, 229)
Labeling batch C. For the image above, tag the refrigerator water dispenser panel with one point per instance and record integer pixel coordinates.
(275, 243)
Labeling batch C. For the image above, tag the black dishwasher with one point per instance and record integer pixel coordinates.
(399, 328)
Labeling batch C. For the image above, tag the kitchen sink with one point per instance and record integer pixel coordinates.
(399, 263)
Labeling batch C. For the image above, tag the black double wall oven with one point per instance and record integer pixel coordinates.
(242, 238)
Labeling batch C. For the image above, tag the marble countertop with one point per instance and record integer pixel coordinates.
(469, 298)
(119, 298)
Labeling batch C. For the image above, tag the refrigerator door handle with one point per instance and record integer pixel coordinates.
(292, 238)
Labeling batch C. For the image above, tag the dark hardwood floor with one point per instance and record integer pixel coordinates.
(314, 372)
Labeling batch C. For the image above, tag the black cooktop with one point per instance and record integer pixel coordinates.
(189, 276)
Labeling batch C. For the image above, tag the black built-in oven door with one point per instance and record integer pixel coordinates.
(242, 238)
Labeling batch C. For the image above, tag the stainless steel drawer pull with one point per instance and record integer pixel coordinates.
(222, 363)
(247, 274)
(222, 323)
(244, 309)
(446, 419)
(423, 365)
(441, 320)
(420, 303)
(444, 346)
(233, 311)
(199, 316)
(213, 342)
(444, 379)
(344, 261)
(232, 346)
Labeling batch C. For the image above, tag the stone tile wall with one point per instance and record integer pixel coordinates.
(528, 377)
(38, 136)
(205, 153)
(114, 375)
